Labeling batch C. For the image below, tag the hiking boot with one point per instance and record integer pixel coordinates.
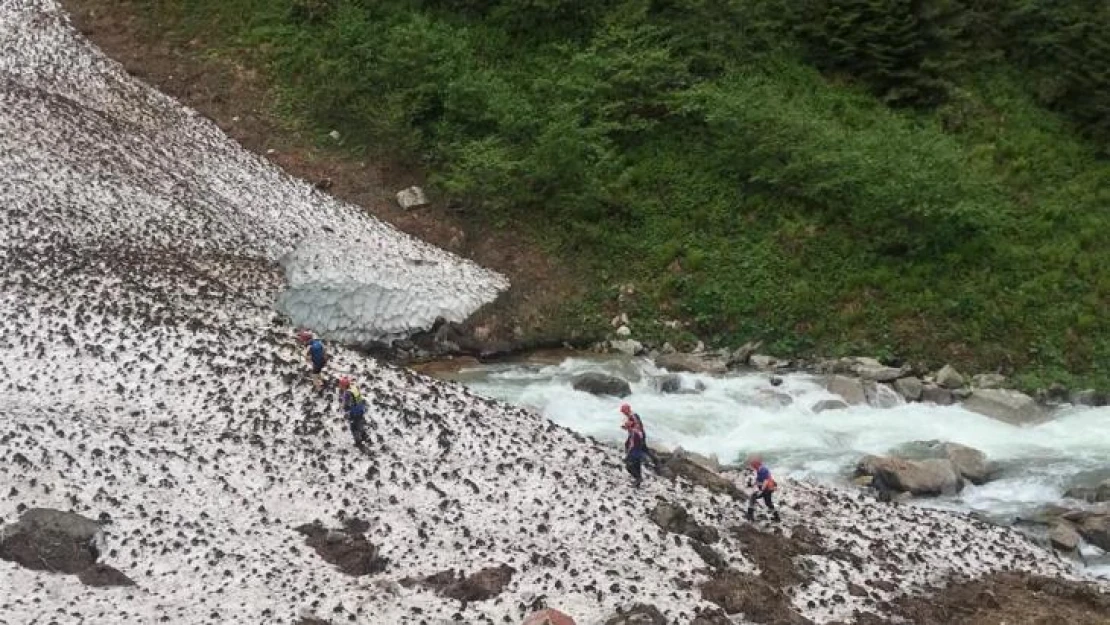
(750, 515)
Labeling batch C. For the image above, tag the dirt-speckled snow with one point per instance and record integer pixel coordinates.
(145, 375)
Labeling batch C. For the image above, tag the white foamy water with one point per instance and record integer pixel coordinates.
(742, 414)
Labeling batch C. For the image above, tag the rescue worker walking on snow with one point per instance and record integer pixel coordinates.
(316, 356)
(635, 421)
(354, 405)
(634, 451)
(764, 487)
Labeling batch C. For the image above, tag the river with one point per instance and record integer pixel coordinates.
(742, 414)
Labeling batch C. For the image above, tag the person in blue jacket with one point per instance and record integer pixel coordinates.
(354, 405)
(634, 451)
(764, 487)
(316, 355)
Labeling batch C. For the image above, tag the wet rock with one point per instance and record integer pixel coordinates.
(971, 463)
(1013, 407)
(412, 197)
(1095, 529)
(347, 549)
(988, 380)
(878, 373)
(692, 363)
(1087, 397)
(674, 518)
(639, 614)
(851, 389)
(829, 404)
(933, 394)
(770, 399)
(917, 477)
(1063, 536)
(765, 363)
(103, 576)
(51, 540)
(548, 616)
(1090, 494)
(949, 378)
(909, 388)
(880, 395)
(672, 384)
(710, 462)
(597, 383)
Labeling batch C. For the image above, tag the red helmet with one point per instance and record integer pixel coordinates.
(626, 409)
(344, 382)
(755, 462)
(304, 336)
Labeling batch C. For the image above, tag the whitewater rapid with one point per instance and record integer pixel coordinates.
(743, 414)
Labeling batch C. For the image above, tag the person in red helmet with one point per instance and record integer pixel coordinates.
(634, 452)
(633, 420)
(354, 407)
(764, 487)
(316, 355)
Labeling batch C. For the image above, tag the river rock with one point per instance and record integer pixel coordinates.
(692, 363)
(918, 477)
(709, 463)
(1087, 397)
(880, 395)
(743, 354)
(949, 378)
(624, 331)
(639, 614)
(1010, 406)
(674, 518)
(1063, 536)
(764, 362)
(909, 388)
(1090, 494)
(672, 384)
(933, 394)
(678, 465)
(878, 372)
(988, 380)
(829, 404)
(412, 197)
(51, 540)
(597, 383)
(851, 389)
(771, 400)
(548, 616)
(1095, 528)
(632, 347)
(971, 463)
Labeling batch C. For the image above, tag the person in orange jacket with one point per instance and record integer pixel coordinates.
(764, 487)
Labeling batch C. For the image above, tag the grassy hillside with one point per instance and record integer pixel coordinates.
(925, 180)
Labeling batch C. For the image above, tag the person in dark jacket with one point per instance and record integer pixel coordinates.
(634, 452)
(635, 420)
(316, 355)
(764, 487)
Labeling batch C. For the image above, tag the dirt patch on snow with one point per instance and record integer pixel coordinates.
(1004, 598)
(774, 553)
(347, 548)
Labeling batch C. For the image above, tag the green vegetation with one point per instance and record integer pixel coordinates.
(919, 178)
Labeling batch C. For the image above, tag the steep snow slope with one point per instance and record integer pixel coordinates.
(95, 158)
(144, 376)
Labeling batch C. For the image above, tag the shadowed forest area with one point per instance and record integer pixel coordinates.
(922, 179)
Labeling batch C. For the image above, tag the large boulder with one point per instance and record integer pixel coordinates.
(829, 404)
(880, 395)
(692, 363)
(1091, 494)
(483, 585)
(877, 372)
(631, 347)
(971, 463)
(677, 466)
(51, 540)
(743, 354)
(851, 389)
(1087, 397)
(1013, 407)
(949, 378)
(932, 476)
(1063, 536)
(672, 383)
(345, 548)
(933, 394)
(597, 383)
(1095, 528)
(909, 388)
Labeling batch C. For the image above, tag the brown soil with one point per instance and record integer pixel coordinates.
(1004, 598)
(347, 549)
(241, 101)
